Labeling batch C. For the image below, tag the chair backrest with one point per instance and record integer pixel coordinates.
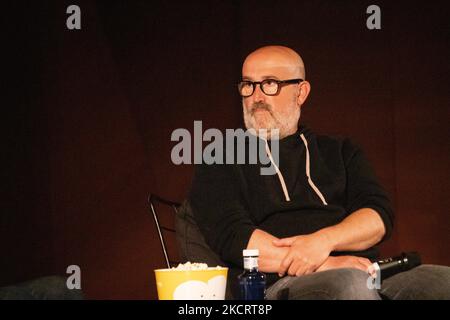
(165, 226)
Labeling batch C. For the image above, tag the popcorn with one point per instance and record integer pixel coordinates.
(188, 266)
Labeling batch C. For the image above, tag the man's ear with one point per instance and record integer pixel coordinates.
(305, 88)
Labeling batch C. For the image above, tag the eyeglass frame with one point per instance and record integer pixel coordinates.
(280, 84)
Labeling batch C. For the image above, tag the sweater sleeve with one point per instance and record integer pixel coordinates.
(219, 211)
(363, 188)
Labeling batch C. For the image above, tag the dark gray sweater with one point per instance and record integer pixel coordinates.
(230, 201)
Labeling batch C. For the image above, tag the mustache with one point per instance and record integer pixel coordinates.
(260, 105)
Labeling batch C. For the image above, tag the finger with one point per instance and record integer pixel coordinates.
(366, 263)
(294, 268)
(285, 242)
(370, 268)
(311, 269)
(363, 266)
(304, 272)
(321, 268)
(324, 266)
(301, 271)
(284, 265)
(298, 267)
(364, 260)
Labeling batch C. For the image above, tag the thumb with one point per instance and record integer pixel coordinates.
(285, 242)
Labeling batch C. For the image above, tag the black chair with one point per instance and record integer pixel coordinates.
(165, 226)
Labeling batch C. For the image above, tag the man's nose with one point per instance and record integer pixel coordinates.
(258, 95)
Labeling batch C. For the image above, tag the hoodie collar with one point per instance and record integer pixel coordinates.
(294, 139)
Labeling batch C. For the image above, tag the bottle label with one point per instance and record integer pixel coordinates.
(250, 263)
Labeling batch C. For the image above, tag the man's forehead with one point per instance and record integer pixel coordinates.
(268, 69)
(279, 61)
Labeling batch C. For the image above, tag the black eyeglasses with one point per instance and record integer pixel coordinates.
(270, 87)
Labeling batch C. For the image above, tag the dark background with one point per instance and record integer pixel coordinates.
(87, 117)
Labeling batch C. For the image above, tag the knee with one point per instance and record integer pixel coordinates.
(426, 282)
(350, 284)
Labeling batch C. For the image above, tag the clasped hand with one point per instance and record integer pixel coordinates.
(306, 253)
(311, 253)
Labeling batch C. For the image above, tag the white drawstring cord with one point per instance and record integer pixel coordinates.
(280, 176)
(308, 174)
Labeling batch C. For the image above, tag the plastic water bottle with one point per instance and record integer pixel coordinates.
(252, 282)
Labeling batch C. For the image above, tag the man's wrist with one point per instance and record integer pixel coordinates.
(327, 235)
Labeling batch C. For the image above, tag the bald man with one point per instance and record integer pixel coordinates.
(317, 221)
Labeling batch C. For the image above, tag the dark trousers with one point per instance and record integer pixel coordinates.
(423, 282)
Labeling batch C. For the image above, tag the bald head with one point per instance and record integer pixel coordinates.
(280, 59)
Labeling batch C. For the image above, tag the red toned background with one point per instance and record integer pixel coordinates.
(88, 116)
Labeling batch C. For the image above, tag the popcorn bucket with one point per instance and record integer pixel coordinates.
(207, 284)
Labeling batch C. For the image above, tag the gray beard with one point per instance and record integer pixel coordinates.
(285, 125)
